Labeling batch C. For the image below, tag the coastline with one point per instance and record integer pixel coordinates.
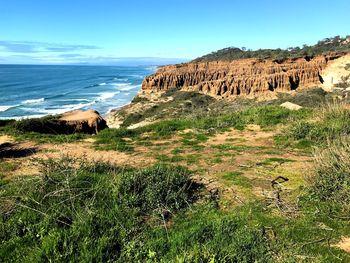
(104, 89)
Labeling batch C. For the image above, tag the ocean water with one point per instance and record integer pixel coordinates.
(34, 91)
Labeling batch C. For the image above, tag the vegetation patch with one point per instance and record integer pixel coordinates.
(332, 172)
(80, 212)
(265, 116)
(40, 130)
(237, 178)
(273, 160)
(326, 46)
(116, 140)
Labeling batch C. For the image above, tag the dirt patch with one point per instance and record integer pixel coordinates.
(6, 139)
(334, 72)
(344, 244)
(239, 165)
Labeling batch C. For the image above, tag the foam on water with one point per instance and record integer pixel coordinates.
(33, 101)
(129, 87)
(120, 84)
(49, 90)
(5, 108)
(107, 95)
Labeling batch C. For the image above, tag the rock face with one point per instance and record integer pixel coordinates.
(89, 121)
(240, 77)
(335, 71)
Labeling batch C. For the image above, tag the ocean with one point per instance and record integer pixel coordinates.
(28, 91)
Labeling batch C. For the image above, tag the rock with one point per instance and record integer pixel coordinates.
(89, 121)
(239, 77)
(291, 106)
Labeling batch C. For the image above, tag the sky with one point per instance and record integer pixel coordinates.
(159, 31)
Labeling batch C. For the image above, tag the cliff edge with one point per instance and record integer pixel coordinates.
(244, 76)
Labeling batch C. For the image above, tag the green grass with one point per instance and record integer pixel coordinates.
(116, 140)
(169, 158)
(205, 235)
(82, 212)
(237, 178)
(326, 124)
(230, 147)
(192, 158)
(6, 167)
(194, 140)
(272, 160)
(266, 116)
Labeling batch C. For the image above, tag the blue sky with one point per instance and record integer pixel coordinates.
(108, 31)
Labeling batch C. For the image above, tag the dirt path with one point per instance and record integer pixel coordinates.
(24, 154)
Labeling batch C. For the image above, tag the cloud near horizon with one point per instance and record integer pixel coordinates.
(30, 52)
(39, 47)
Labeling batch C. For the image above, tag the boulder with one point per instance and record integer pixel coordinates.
(89, 121)
(291, 106)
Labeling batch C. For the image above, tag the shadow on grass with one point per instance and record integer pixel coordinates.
(13, 150)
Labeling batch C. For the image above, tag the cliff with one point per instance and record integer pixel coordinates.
(240, 77)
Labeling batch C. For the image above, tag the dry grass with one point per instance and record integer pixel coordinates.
(332, 171)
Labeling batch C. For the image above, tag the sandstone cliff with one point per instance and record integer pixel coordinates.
(240, 77)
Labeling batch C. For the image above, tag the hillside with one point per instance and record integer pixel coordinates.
(233, 72)
(329, 45)
(249, 77)
(209, 163)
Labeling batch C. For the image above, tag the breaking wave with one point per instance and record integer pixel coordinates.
(34, 101)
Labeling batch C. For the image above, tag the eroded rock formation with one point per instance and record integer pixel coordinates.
(240, 77)
(89, 121)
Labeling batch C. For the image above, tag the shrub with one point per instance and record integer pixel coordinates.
(330, 122)
(157, 188)
(81, 212)
(301, 130)
(327, 45)
(4, 123)
(332, 172)
(48, 125)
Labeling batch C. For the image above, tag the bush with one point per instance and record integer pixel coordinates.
(301, 130)
(4, 123)
(330, 122)
(325, 46)
(81, 212)
(48, 125)
(157, 188)
(332, 172)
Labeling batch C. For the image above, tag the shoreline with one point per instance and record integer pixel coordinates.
(39, 93)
